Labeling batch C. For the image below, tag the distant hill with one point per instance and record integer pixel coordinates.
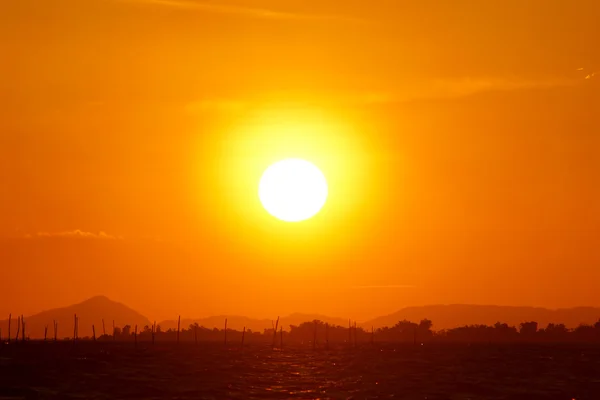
(256, 325)
(90, 312)
(451, 316)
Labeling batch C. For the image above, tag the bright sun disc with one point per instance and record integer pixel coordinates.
(293, 190)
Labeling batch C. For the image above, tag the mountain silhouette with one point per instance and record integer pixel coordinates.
(455, 315)
(90, 312)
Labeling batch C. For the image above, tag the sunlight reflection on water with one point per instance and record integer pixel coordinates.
(411, 372)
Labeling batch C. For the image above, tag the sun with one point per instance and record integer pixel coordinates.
(293, 190)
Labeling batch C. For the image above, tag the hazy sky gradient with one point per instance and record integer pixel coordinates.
(467, 171)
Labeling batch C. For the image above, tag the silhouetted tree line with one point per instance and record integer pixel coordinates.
(404, 331)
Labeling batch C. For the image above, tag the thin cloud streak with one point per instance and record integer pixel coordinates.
(76, 234)
(384, 287)
(435, 89)
(470, 86)
(246, 11)
(215, 105)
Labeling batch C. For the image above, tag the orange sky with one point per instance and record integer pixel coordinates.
(461, 141)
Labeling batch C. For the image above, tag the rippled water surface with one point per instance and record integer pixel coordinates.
(113, 371)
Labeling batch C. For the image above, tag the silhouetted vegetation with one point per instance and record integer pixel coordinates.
(318, 333)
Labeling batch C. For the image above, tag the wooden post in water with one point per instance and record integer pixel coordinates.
(178, 328)
(94, 332)
(18, 328)
(225, 332)
(372, 335)
(153, 331)
(415, 335)
(243, 337)
(349, 333)
(275, 332)
(9, 322)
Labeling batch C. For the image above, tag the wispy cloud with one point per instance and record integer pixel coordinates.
(220, 105)
(399, 93)
(456, 88)
(228, 106)
(75, 234)
(470, 86)
(252, 12)
(384, 287)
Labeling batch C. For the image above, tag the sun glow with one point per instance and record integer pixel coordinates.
(240, 151)
(293, 190)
